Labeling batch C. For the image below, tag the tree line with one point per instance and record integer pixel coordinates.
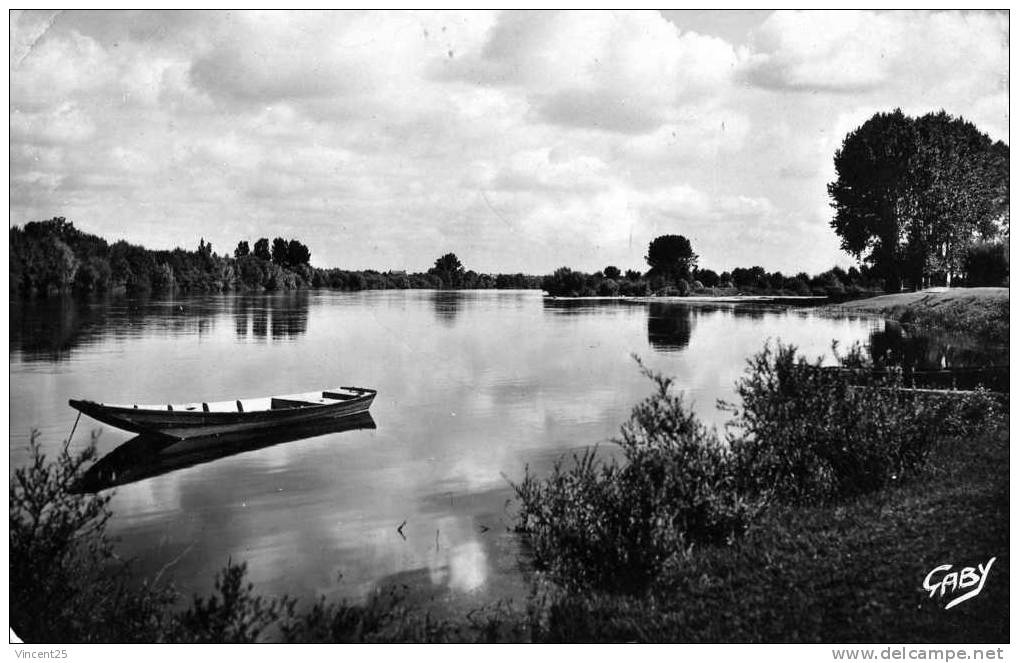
(53, 256)
(673, 271)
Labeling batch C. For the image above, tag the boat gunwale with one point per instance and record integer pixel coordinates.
(365, 394)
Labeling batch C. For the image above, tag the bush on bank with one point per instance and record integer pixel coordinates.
(612, 525)
(66, 582)
(799, 435)
(802, 433)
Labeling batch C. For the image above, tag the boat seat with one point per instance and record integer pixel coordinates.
(205, 407)
(286, 403)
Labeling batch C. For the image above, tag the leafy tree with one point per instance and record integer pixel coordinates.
(242, 249)
(611, 272)
(633, 275)
(281, 252)
(869, 194)
(298, 253)
(93, 275)
(708, 277)
(911, 194)
(261, 249)
(566, 283)
(449, 269)
(961, 184)
(753, 277)
(163, 277)
(671, 256)
(132, 265)
(986, 263)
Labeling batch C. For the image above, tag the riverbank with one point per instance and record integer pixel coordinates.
(846, 572)
(977, 312)
(894, 305)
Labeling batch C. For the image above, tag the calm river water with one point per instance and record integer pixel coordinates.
(473, 386)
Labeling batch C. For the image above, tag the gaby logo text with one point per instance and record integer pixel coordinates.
(942, 580)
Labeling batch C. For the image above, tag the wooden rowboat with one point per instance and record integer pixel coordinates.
(187, 420)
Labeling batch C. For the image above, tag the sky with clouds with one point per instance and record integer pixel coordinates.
(520, 141)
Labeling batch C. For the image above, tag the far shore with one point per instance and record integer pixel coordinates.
(706, 299)
(891, 306)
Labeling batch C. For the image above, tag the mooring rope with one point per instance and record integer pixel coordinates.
(73, 428)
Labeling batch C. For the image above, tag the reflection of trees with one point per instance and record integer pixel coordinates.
(582, 305)
(260, 321)
(447, 304)
(242, 316)
(669, 326)
(754, 311)
(289, 314)
(896, 346)
(50, 329)
(282, 316)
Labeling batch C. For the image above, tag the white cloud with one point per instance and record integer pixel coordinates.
(929, 56)
(519, 140)
(613, 71)
(810, 50)
(66, 123)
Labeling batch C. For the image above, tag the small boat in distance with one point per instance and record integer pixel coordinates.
(187, 420)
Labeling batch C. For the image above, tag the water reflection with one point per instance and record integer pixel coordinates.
(47, 330)
(282, 316)
(151, 455)
(447, 304)
(290, 315)
(894, 345)
(51, 329)
(453, 556)
(241, 312)
(669, 326)
(461, 566)
(558, 306)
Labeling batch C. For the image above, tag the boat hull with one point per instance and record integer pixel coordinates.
(182, 425)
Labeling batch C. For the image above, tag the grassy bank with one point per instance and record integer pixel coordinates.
(845, 572)
(979, 312)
